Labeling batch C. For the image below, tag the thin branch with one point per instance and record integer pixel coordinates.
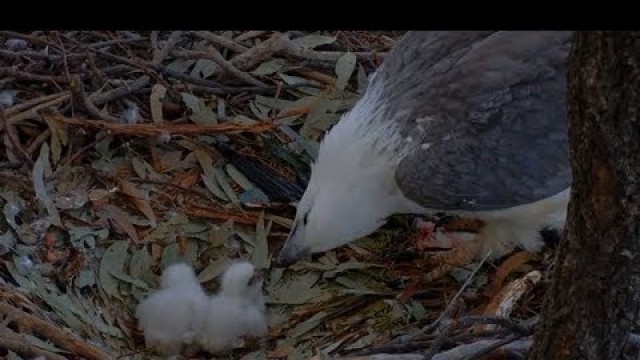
(215, 56)
(62, 338)
(220, 41)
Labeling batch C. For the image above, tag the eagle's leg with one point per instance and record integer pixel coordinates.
(431, 234)
(459, 256)
(440, 232)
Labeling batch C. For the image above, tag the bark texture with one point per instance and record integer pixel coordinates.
(594, 296)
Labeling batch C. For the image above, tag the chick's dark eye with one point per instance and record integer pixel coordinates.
(305, 218)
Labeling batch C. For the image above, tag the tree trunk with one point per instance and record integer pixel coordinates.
(595, 290)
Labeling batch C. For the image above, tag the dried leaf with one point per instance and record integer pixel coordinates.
(121, 219)
(209, 175)
(296, 80)
(140, 265)
(344, 69)
(270, 67)
(126, 278)
(281, 351)
(239, 177)
(254, 197)
(113, 261)
(7, 242)
(200, 113)
(140, 167)
(85, 278)
(297, 290)
(158, 92)
(260, 111)
(81, 236)
(204, 68)
(58, 137)
(45, 345)
(214, 269)
(180, 65)
(139, 200)
(363, 81)
(224, 183)
(186, 179)
(260, 256)
(172, 160)
(363, 342)
(312, 41)
(173, 254)
(311, 147)
(40, 169)
(309, 324)
(13, 356)
(349, 265)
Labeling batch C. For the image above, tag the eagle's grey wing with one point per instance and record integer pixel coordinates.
(487, 119)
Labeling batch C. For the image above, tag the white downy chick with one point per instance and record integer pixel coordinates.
(168, 316)
(238, 310)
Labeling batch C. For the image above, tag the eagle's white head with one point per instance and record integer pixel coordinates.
(352, 189)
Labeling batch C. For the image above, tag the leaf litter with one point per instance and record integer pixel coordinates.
(90, 217)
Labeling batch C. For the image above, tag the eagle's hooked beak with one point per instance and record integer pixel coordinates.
(293, 249)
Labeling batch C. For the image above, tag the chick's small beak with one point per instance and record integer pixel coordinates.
(292, 251)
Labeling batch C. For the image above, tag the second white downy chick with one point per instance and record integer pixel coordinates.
(168, 316)
(237, 310)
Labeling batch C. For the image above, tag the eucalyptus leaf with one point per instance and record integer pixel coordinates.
(225, 184)
(113, 261)
(312, 41)
(140, 264)
(41, 169)
(172, 254)
(270, 67)
(260, 256)
(238, 177)
(309, 324)
(297, 290)
(214, 269)
(345, 66)
(204, 68)
(85, 278)
(200, 113)
(45, 345)
(209, 174)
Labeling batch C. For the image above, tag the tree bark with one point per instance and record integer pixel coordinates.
(594, 294)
